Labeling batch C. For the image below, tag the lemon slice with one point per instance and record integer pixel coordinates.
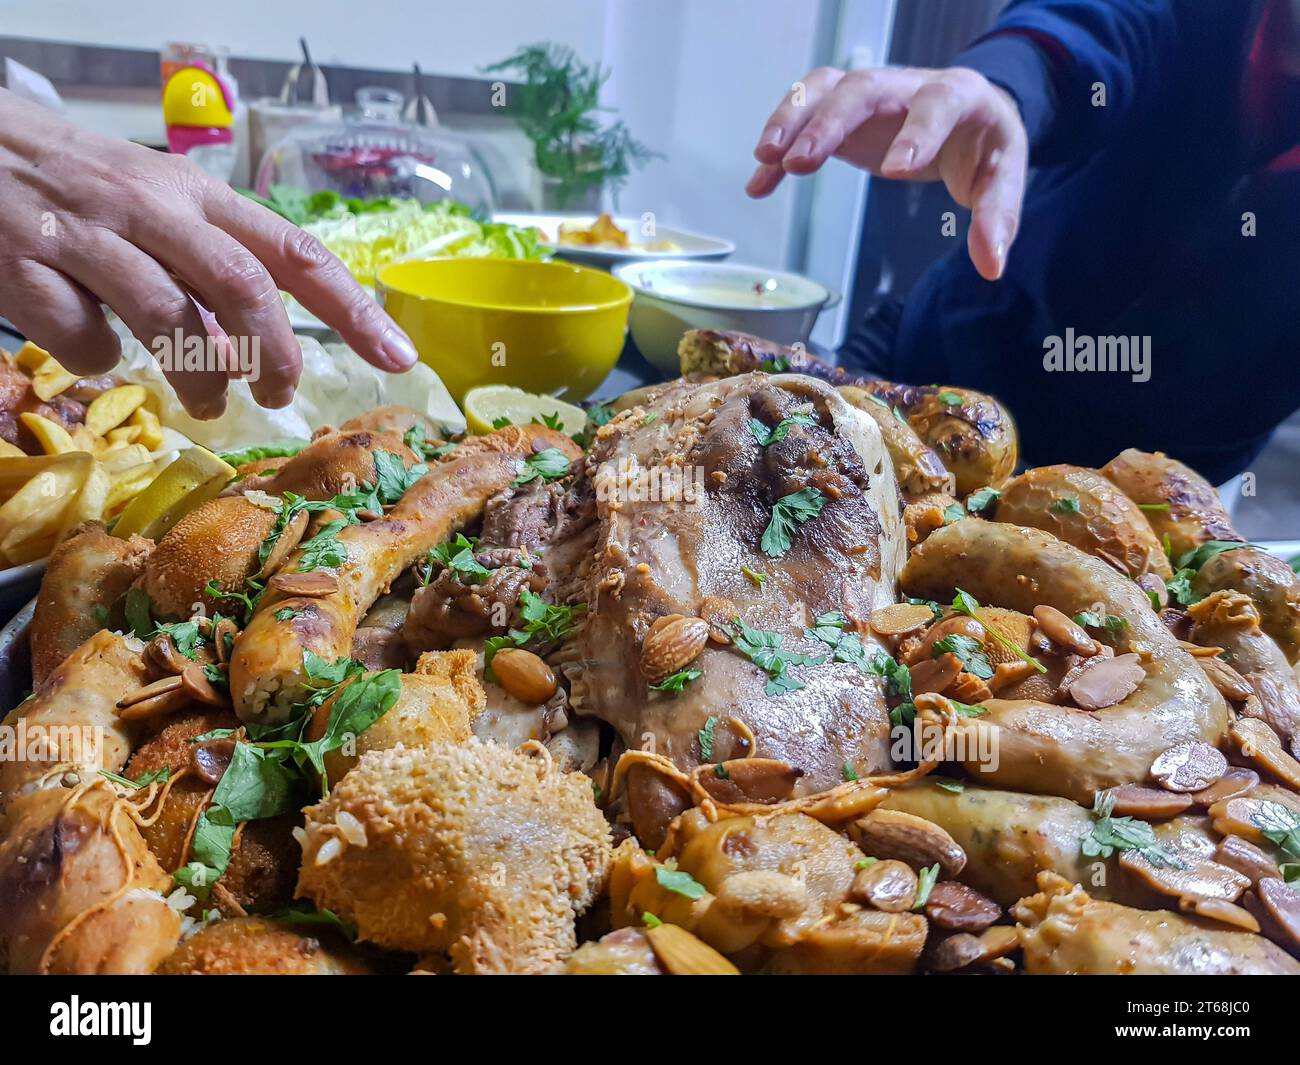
(189, 482)
(489, 403)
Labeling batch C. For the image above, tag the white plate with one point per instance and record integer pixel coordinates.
(689, 245)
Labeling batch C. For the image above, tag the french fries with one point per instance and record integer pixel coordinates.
(112, 408)
(87, 472)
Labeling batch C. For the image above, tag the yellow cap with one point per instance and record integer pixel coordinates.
(193, 97)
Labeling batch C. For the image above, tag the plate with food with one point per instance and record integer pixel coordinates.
(605, 240)
(753, 671)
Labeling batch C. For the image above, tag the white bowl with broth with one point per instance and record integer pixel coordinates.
(675, 295)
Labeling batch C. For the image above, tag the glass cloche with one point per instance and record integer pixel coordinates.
(375, 153)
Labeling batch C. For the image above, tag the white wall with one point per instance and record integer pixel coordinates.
(696, 81)
(452, 37)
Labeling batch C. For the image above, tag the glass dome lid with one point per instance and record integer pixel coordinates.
(376, 154)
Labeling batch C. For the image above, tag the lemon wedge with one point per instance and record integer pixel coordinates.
(488, 404)
(189, 482)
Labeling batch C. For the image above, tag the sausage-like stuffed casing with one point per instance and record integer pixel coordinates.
(1062, 750)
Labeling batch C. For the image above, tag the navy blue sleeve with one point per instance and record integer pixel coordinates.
(1050, 54)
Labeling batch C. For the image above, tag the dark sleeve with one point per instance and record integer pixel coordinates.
(1051, 54)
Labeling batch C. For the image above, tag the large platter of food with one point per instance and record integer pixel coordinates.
(765, 669)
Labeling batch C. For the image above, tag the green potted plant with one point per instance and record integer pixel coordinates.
(557, 107)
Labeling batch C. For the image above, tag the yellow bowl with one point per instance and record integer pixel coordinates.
(546, 327)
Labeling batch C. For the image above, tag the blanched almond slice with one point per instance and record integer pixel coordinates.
(1063, 631)
(760, 780)
(1220, 910)
(1108, 682)
(1148, 804)
(1236, 781)
(1257, 741)
(1282, 904)
(935, 674)
(1205, 879)
(1242, 855)
(196, 684)
(1190, 766)
(1230, 684)
(684, 954)
(314, 584)
(898, 619)
(287, 541)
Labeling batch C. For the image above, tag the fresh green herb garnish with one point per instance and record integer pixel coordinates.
(765, 651)
(457, 554)
(935, 608)
(1279, 824)
(766, 436)
(678, 680)
(950, 399)
(600, 414)
(969, 651)
(981, 499)
(830, 628)
(285, 613)
(549, 464)
(705, 736)
(788, 513)
(951, 784)
(313, 918)
(848, 772)
(965, 603)
(414, 438)
(925, 881)
(1153, 506)
(392, 479)
(158, 776)
(1066, 505)
(757, 576)
(551, 421)
(720, 771)
(779, 364)
(953, 512)
(650, 920)
(679, 881)
(184, 634)
(324, 549)
(1199, 556)
(540, 620)
(501, 422)
(864, 863)
(1110, 834)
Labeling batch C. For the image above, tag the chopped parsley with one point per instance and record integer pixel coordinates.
(757, 576)
(848, 772)
(935, 608)
(285, 613)
(185, 635)
(1110, 834)
(678, 680)
(1112, 624)
(1066, 505)
(1180, 587)
(158, 776)
(1153, 506)
(679, 881)
(765, 651)
(950, 399)
(829, 628)
(541, 620)
(324, 549)
(551, 421)
(981, 499)
(969, 651)
(951, 784)
(788, 513)
(650, 920)
(458, 555)
(965, 603)
(864, 863)
(274, 450)
(549, 464)
(925, 881)
(1279, 824)
(953, 512)
(705, 736)
(139, 612)
(766, 436)
(414, 438)
(1199, 556)
(392, 479)
(501, 422)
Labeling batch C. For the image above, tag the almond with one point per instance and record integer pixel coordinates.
(313, 584)
(718, 613)
(524, 675)
(898, 619)
(672, 644)
(288, 539)
(683, 954)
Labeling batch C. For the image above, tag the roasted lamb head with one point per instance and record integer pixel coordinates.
(746, 528)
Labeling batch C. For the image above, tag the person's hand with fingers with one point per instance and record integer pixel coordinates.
(88, 220)
(911, 124)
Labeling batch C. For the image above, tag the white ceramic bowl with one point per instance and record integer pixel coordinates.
(675, 295)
